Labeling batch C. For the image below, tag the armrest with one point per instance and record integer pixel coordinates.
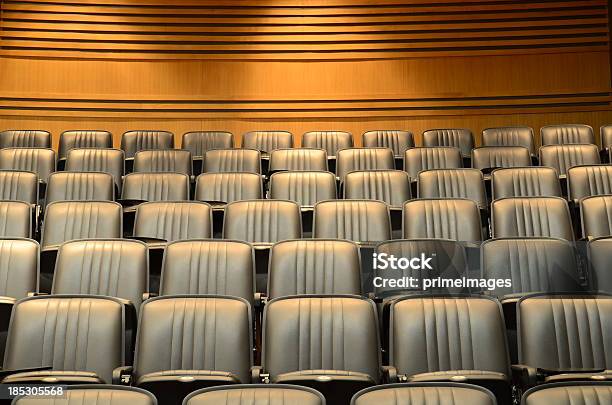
(372, 296)
(260, 300)
(148, 295)
(390, 375)
(524, 376)
(258, 376)
(122, 375)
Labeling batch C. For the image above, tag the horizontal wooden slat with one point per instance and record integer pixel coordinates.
(181, 108)
(265, 19)
(324, 12)
(552, 23)
(298, 38)
(298, 30)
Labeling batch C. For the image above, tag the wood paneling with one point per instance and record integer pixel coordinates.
(299, 30)
(303, 65)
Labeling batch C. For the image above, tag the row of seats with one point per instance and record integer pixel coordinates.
(278, 394)
(364, 174)
(330, 343)
(330, 141)
(270, 221)
(120, 268)
(42, 161)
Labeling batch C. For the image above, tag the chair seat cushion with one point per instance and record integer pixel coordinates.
(458, 376)
(573, 376)
(323, 376)
(54, 377)
(187, 376)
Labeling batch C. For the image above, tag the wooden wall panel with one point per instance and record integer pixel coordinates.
(303, 65)
(299, 29)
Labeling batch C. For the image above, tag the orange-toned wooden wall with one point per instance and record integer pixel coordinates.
(302, 65)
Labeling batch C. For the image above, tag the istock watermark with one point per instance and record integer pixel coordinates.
(420, 272)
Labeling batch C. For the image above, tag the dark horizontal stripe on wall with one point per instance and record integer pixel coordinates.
(335, 30)
(305, 108)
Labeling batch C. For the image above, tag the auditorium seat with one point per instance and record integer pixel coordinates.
(173, 220)
(80, 338)
(232, 160)
(110, 161)
(262, 222)
(327, 343)
(135, 141)
(17, 185)
(209, 267)
(223, 188)
(18, 278)
(163, 161)
(525, 182)
(425, 393)
(67, 186)
(419, 159)
(186, 343)
(566, 134)
(532, 264)
(588, 392)
(447, 260)
(596, 216)
(390, 186)
(96, 395)
(314, 266)
(450, 339)
(80, 140)
(330, 141)
(587, 181)
(69, 220)
(606, 138)
(141, 187)
(458, 138)
(599, 259)
(398, 141)
(15, 219)
(563, 157)
(302, 159)
(267, 141)
(453, 183)
(37, 160)
(363, 159)
(487, 158)
(25, 139)
(509, 136)
(108, 267)
(305, 188)
(564, 337)
(525, 217)
(18, 268)
(260, 394)
(198, 142)
(444, 218)
(362, 221)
